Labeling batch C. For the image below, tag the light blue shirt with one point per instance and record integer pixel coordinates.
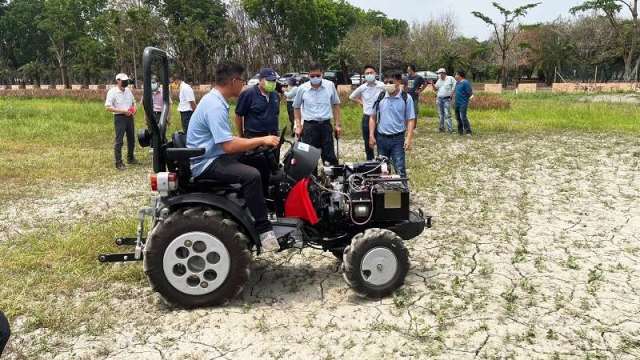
(316, 104)
(209, 127)
(393, 114)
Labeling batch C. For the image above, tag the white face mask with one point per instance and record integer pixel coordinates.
(370, 78)
(316, 80)
(390, 88)
(155, 86)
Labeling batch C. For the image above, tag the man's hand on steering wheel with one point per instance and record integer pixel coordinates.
(270, 141)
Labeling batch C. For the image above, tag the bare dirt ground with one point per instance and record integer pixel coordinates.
(534, 253)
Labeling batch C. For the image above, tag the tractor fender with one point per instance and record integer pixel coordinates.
(235, 211)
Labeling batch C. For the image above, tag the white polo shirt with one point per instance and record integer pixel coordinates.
(119, 99)
(445, 87)
(186, 96)
(369, 93)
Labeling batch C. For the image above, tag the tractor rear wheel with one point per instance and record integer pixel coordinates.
(376, 263)
(197, 257)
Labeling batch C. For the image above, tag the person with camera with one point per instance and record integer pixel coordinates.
(122, 104)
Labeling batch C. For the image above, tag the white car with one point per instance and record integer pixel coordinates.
(428, 75)
(356, 80)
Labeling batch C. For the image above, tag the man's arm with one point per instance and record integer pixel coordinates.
(411, 124)
(337, 117)
(297, 113)
(240, 125)
(372, 130)
(239, 145)
(193, 105)
(356, 95)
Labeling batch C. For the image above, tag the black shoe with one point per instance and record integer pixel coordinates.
(120, 166)
(441, 130)
(133, 161)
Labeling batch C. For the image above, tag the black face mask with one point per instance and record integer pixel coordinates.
(124, 83)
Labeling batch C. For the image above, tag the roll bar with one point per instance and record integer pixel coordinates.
(158, 127)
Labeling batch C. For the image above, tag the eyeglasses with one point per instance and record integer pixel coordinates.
(312, 76)
(389, 82)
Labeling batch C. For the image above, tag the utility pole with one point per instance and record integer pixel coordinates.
(380, 53)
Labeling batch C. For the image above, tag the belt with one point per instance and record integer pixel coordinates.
(390, 135)
(318, 122)
(444, 97)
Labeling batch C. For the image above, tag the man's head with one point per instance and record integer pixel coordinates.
(229, 78)
(460, 75)
(176, 78)
(122, 80)
(154, 83)
(369, 73)
(411, 69)
(392, 82)
(315, 74)
(442, 73)
(267, 80)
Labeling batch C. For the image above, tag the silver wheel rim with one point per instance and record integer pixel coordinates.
(379, 266)
(196, 263)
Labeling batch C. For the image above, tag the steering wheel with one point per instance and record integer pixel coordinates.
(270, 153)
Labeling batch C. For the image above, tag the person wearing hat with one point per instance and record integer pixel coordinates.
(258, 107)
(444, 87)
(121, 103)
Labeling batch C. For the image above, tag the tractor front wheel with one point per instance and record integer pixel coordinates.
(376, 263)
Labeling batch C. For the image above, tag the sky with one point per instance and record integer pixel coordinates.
(422, 10)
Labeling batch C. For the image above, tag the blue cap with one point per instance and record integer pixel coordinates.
(267, 73)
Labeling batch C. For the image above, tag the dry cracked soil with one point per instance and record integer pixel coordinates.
(534, 254)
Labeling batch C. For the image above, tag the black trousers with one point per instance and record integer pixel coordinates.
(124, 126)
(185, 117)
(320, 134)
(365, 136)
(228, 169)
(5, 332)
(260, 162)
(291, 114)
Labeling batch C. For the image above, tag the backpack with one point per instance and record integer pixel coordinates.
(376, 105)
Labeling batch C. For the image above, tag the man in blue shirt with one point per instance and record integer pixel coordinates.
(463, 94)
(210, 129)
(258, 107)
(316, 102)
(393, 119)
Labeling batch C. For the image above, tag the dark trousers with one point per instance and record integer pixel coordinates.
(123, 125)
(228, 169)
(392, 147)
(463, 121)
(5, 332)
(365, 136)
(291, 114)
(320, 134)
(185, 117)
(260, 162)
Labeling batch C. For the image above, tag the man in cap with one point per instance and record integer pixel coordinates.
(257, 114)
(258, 107)
(121, 103)
(444, 87)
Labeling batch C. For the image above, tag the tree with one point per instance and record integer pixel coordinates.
(507, 33)
(627, 39)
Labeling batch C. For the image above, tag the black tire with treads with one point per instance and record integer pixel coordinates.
(202, 220)
(354, 253)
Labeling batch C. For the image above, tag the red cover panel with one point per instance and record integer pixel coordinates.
(299, 205)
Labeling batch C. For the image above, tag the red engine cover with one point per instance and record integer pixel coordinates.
(299, 205)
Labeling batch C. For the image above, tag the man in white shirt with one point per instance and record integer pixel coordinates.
(187, 104)
(366, 95)
(444, 87)
(121, 103)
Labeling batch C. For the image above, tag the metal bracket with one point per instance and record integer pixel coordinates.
(105, 258)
